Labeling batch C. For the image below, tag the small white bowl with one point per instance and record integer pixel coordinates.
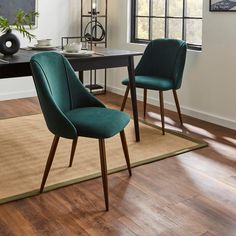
(44, 42)
(73, 47)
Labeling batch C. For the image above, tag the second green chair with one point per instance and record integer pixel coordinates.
(160, 68)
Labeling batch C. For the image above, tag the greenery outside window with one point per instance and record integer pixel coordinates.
(180, 19)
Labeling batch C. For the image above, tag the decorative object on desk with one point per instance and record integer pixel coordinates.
(94, 25)
(43, 45)
(84, 45)
(222, 5)
(93, 30)
(22, 166)
(73, 41)
(9, 43)
(79, 53)
(43, 48)
(73, 47)
(44, 42)
(94, 36)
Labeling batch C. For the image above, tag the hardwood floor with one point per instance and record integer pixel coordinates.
(190, 194)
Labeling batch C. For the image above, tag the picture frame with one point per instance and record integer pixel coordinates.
(222, 5)
(9, 7)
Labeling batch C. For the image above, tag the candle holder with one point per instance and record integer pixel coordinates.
(94, 12)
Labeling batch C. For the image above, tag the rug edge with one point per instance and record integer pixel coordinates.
(199, 144)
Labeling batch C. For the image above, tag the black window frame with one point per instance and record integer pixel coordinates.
(166, 17)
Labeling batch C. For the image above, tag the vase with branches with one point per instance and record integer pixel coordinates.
(9, 43)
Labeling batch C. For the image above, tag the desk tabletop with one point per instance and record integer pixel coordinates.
(18, 65)
(24, 55)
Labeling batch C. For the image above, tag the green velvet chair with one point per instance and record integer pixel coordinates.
(71, 111)
(160, 68)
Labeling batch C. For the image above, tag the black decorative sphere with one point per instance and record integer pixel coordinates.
(9, 43)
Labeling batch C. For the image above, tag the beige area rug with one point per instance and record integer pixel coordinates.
(25, 143)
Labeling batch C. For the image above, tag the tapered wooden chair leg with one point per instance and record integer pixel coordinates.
(144, 102)
(104, 171)
(162, 111)
(177, 106)
(125, 98)
(73, 148)
(49, 162)
(125, 149)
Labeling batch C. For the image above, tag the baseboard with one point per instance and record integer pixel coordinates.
(231, 124)
(15, 95)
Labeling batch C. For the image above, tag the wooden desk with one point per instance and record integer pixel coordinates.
(18, 65)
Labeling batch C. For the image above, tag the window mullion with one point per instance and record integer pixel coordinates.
(133, 19)
(184, 20)
(150, 20)
(166, 20)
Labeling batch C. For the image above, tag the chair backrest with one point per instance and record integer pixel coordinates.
(164, 58)
(59, 91)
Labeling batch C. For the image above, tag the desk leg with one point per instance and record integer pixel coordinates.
(133, 96)
(81, 76)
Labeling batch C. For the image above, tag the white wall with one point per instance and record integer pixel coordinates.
(57, 18)
(209, 84)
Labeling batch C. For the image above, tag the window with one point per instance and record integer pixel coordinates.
(181, 19)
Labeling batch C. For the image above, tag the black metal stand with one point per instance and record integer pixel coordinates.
(94, 15)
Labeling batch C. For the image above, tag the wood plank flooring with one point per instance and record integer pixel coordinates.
(190, 194)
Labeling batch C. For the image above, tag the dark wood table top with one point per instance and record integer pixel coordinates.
(18, 64)
(24, 55)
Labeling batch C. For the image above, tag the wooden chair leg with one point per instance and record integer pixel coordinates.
(162, 111)
(125, 149)
(73, 148)
(125, 98)
(144, 102)
(177, 106)
(49, 162)
(104, 171)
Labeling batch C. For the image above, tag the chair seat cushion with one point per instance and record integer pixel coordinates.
(98, 122)
(151, 82)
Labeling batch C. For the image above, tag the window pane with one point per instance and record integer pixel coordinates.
(158, 7)
(175, 28)
(142, 7)
(158, 28)
(159, 21)
(194, 31)
(175, 8)
(194, 8)
(142, 27)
